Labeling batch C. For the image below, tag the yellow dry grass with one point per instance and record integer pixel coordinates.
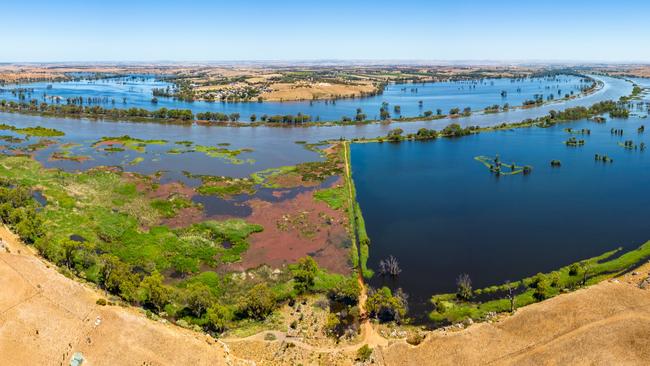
(318, 90)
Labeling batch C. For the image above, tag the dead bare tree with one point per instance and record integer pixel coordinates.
(389, 266)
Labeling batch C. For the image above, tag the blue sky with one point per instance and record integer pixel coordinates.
(313, 30)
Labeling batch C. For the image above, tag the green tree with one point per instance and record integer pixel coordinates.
(346, 291)
(198, 298)
(116, 277)
(542, 286)
(304, 273)
(184, 265)
(395, 134)
(382, 305)
(153, 293)
(258, 303)
(219, 317)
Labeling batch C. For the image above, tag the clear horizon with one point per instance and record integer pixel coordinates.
(411, 30)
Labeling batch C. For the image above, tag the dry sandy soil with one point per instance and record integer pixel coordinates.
(45, 318)
(629, 70)
(316, 90)
(606, 324)
(23, 73)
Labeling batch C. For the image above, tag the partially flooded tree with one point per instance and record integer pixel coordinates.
(389, 266)
(464, 285)
(395, 134)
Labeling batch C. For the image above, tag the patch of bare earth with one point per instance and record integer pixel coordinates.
(293, 229)
(316, 90)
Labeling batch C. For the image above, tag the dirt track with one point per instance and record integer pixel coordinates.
(45, 318)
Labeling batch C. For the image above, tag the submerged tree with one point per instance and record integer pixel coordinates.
(389, 266)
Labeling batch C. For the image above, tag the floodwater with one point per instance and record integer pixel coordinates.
(136, 91)
(273, 146)
(441, 213)
(430, 204)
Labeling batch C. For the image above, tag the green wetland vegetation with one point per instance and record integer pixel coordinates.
(104, 227)
(37, 131)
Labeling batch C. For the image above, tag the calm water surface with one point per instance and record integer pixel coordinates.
(137, 92)
(441, 213)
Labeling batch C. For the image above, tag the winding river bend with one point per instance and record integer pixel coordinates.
(412, 98)
(274, 146)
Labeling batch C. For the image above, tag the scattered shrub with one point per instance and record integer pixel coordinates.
(364, 353)
(415, 339)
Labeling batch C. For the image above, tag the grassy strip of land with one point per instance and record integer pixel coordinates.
(223, 153)
(460, 306)
(364, 242)
(37, 131)
(614, 109)
(357, 224)
(128, 142)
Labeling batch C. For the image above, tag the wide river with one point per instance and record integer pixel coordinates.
(442, 213)
(136, 91)
(273, 146)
